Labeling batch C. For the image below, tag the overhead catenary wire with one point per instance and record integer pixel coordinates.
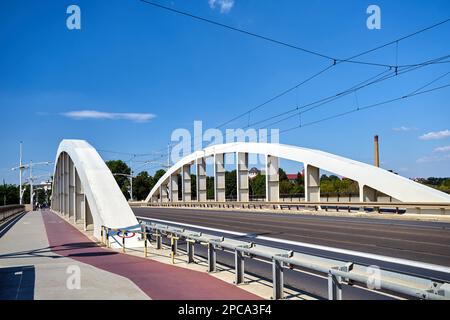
(283, 43)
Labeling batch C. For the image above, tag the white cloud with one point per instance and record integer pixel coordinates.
(439, 158)
(442, 149)
(224, 5)
(93, 114)
(435, 135)
(404, 129)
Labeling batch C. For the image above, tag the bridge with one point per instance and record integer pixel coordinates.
(371, 180)
(86, 195)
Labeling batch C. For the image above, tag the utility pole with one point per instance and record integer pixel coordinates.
(31, 184)
(168, 155)
(21, 167)
(4, 196)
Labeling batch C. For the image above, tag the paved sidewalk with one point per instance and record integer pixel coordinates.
(156, 279)
(30, 268)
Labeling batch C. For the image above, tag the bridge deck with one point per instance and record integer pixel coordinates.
(39, 247)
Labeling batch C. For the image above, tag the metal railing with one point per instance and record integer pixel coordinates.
(338, 272)
(379, 207)
(10, 210)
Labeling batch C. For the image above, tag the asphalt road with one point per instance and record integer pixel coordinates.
(420, 241)
(414, 240)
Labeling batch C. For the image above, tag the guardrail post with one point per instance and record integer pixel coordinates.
(107, 237)
(334, 287)
(174, 247)
(239, 267)
(278, 280)
(158, 240)
(123, 241)
(211, 258)
(190, 250)
(145, 242)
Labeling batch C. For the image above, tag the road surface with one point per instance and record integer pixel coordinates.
(414, 240)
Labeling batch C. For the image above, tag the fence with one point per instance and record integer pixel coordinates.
(379, 207)
(10, 210)
(339, 272)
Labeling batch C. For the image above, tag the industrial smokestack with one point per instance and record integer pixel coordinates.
(377, 154)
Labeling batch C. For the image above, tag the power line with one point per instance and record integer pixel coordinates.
(285, 44)
(219, 24)
(331, 66)
(379, 77)
(410, 95)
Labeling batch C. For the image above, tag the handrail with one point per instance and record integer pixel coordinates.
(10, 210)
(398, 207)
(339, 272)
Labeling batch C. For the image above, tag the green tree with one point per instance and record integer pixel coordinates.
(230, 185)
(210, 187)
(258, 186)
(121, 168)
(282, 175)
(142, 185)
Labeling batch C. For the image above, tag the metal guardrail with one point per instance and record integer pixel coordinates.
(339, 272)
(10, 210)
(396, 207)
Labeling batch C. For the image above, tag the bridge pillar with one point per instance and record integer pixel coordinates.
(55, 189)
(88, 219)
(242, 177)
(64, 184)
(60, 185)
(72, 190)
(312, 183)
(163, 196)
(173, 186)
(367, 194)
(67, 186)
(219, 177)
(79, 200)
(201, 179)
(186, 183)
(272, 179)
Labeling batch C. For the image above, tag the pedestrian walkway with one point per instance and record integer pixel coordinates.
(41, 246)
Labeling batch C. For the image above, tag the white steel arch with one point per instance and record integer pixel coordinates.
(85, 191)
(369, 178)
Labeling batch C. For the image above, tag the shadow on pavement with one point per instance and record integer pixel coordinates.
(17, 283)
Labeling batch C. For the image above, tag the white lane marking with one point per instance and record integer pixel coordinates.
(410, 263)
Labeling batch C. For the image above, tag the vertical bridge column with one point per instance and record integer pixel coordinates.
(201, 179)
(173, 186)
(312, 183)
(186, 183)
(66, 185)
(163, 196)
(63, 184)
(272, 179)
(219, 177)
(367, 194)
(79, 200)
(72, 191)
(242, 177)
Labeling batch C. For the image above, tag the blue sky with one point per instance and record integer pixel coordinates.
(149, 72)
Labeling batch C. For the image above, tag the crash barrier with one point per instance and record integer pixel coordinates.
(377, 207)
(339, 272)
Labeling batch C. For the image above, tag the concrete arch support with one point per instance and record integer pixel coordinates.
(201, 179)
(368, 176)
(242, 184)
(219, 177)
(312, 183)
(86, 192)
